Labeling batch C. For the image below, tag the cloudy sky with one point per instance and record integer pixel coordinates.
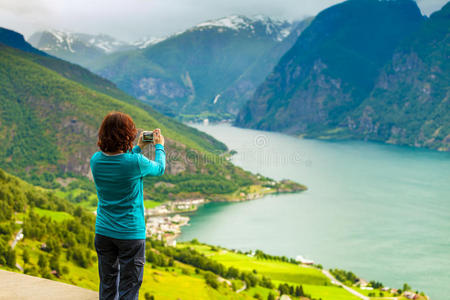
(132, 19)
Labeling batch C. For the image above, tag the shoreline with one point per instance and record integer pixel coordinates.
(165, 220)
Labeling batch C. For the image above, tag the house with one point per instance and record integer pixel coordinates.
(410, 295)
(361, 282)
(385, 289)
(303, 260)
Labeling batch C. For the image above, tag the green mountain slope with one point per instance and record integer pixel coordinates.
(188, 72)
(101, 85)
(48, 127)
(320, 86)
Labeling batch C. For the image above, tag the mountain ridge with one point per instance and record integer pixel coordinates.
(175, 84)
(320, 83)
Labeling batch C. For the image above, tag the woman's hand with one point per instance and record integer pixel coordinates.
(158, 138)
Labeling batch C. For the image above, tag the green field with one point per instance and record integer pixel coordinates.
(57, 216)
(278, 271)
(90, 202)
(328, 292)
(151, 204)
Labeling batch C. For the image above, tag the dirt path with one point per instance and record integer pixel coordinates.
(16, 238)
(243, 288)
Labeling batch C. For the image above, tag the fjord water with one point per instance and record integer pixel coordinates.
(381, 211)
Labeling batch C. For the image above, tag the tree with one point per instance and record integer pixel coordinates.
(299, 291)
(232, 273)
(406, 287)
(42, 262)
(54, 263)
(26, 256)
(211, 280)
(270, 297)
(11, 258)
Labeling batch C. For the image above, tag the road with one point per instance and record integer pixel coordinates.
(350, 290)
(17, 238)
(243, 288)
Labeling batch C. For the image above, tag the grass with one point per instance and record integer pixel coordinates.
(278, 271)
(151, 204)
(328, 292)
(85, 278)
(90, 204)
(57, 216)
(264, 292)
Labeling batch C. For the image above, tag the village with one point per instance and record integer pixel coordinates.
(164, 221)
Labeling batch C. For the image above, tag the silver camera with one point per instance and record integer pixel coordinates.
(147, 136)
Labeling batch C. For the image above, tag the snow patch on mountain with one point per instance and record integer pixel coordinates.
(57, 40)
(147, 41)
(278, 28)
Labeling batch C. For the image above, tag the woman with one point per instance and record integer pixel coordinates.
(118, 171)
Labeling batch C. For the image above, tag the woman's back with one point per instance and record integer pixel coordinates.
(119, 182)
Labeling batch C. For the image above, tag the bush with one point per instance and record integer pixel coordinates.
(211, 280)
(147, 296)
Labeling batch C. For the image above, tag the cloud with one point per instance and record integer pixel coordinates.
(131, 19)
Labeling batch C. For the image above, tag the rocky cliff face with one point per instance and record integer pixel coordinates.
(410, 102)
(360, 70)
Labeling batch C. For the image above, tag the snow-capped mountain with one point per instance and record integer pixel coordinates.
(278, 29)
(56, 40)
(256, 25)
(147, 41)
(80, 48)
(213, 66)
(185, 71)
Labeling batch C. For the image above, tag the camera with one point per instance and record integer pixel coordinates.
(147, 136)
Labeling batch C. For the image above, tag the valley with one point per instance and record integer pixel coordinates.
(297, 149)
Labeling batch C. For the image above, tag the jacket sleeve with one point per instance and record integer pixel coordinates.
(151, 167)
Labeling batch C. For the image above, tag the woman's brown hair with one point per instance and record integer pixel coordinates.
(116, 133)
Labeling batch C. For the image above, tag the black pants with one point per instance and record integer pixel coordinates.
(120, 266)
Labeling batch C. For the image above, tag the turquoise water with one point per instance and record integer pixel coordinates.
(381, 211)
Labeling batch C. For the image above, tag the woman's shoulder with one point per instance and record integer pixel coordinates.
(95, 156)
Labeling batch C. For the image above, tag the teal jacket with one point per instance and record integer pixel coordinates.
(119, 182)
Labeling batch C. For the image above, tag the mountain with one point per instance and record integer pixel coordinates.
(239, 92)
(203, 69)
(410, 103)
(50, 113)
(147, 41)
(16, 40)
(323, 85)
(78, 48)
